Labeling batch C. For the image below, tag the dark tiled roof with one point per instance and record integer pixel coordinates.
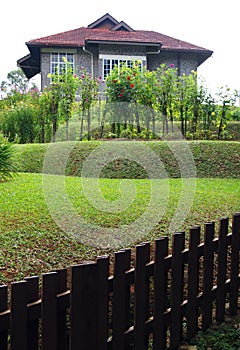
(79, 37)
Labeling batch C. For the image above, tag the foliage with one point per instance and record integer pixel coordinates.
(19, 121)
(16, 82)
(58, 98)
(153, 103)
(7, 167)
(122, 84)
(223, 337)
(88, 90)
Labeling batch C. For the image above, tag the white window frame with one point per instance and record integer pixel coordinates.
(117, 60)
(56, 61)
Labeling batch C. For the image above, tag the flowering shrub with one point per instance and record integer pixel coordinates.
(122, 84)
(88, 90)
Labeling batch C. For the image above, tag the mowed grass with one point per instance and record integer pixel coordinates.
(32, 242)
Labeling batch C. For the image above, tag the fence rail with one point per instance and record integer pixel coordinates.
(164, 295)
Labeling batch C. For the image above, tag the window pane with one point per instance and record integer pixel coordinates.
(54, 68)
(106, 68)
(114, 63)
(70, 57)
(54, 57)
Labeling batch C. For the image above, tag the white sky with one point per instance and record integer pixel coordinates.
(208, 23)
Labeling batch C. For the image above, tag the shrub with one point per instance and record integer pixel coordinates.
(7, 167)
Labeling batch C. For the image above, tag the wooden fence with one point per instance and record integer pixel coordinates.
(168, 295)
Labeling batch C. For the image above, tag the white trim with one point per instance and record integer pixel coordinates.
(54, 50)
(122, 57)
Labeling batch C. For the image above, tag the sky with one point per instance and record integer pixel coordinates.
(210, 24)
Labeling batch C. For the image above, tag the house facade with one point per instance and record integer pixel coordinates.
(104, 44)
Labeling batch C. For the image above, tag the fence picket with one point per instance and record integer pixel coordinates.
(121, 265)
(3, 308)
(32, 295)
(177, 290)
(141, 293)
(160, 294)
(19, 315)
(83, 307)
(235, 248)
(62, 336)
(193, 282)
(222, 268)
(102, 305)
(208, 255)
(49, 311)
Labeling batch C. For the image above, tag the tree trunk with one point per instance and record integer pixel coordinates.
(137, 120)
(182, 121)
(67, 131)
(220, 129)
(54, 131)
(89, 124)
(81, 126)
(42, 130)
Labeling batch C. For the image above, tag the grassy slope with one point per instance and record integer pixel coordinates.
(211, 158)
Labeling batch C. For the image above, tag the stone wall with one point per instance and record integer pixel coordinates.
(185, 62)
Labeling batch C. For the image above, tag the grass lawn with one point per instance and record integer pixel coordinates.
(32, 243)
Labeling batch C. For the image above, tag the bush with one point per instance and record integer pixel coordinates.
(224, 337)
(7, 167)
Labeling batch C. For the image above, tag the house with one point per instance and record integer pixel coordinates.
(105, 43)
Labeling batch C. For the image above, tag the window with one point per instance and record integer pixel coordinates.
(110, 62)
(58, 63)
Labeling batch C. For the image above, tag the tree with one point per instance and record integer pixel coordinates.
(166, 92)
(88, 90)
(58, 98)
(226, 98)
(123, 85)
(16, 82)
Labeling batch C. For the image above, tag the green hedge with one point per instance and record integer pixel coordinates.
(211, 158)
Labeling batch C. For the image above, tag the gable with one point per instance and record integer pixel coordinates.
(105, 22)
(122, 26)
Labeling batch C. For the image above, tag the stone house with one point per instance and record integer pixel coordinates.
(105, 43)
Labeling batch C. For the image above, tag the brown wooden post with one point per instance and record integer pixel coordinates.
(160, 294)
(49, 311)
(19, 315)
(103, 300)
(235, 248)
(121, 265)
(208, 261)
(3, 308)
(141, 295)
(222, 269)
(83, 307)
(62, 339)
(177, 290)
(193, 282)
(33, 326)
